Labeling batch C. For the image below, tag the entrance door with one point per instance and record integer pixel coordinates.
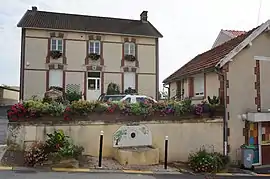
(93, 86)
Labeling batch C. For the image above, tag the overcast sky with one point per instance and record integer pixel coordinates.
(189, 27)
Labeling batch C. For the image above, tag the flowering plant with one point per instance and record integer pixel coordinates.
(36, 155)
(17, 111)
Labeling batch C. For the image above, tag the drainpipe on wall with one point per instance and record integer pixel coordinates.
(225, 115)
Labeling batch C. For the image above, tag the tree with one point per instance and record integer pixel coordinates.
(130, 91)
(113, 89)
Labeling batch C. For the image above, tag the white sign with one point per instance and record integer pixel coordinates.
(132, 136)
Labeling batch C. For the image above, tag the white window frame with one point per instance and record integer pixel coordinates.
(54, 80)
(129, 48)
(95, 42)
(57, 41)
(198, 85)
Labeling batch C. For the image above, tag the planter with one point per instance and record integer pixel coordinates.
(130, 58)
(94, 56)
(55, 54)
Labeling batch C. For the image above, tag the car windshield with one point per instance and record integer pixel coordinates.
(112, 98)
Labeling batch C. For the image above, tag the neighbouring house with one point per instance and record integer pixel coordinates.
(9, 95)
(225, 35)
(86, 53)
(239, 70)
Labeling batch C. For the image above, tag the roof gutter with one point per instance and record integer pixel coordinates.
(91, 32)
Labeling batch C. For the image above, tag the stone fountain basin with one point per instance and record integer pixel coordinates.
(141, 155)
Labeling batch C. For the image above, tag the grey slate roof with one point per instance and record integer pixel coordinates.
(52, 20)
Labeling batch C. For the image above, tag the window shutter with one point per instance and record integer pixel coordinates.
(129, 80)
(191, 87)
(56, 78)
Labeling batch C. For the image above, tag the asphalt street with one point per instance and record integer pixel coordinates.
(64, 175)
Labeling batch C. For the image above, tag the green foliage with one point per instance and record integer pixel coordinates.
(113, 89)
(82, 107)
(56, 140)
(73, 96)
(58, 146)
(56, 109)
(130, 91)
(214, 101)
(204, 161)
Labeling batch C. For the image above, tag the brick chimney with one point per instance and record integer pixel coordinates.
(34, 8)
(144, 16)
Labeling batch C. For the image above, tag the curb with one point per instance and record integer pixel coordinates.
(83, 170)
(101, 170)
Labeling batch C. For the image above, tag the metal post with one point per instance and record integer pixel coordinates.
(100, 148)
(166, 153)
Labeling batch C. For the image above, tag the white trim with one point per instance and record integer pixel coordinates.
(243, 44)
(262, 58)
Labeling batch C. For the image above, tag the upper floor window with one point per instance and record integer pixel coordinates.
(94, 47)
(57, 45)
(129, 48)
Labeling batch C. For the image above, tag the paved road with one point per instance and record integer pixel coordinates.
(53, 175)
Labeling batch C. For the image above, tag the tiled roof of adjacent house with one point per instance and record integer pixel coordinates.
(236, 32)
(208, 59)
(52, 20)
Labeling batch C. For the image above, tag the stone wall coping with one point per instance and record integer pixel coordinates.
(74, 123)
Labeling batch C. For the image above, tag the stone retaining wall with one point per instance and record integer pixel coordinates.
(184, 136)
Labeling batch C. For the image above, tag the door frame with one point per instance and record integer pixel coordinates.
(96, 79)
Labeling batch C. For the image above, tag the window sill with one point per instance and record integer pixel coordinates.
(197, 98)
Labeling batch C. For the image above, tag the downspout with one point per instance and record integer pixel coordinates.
(225, 115)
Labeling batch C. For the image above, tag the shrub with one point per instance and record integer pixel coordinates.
(203, 161)
(82, 107)
(56, 140)
(113, 89)
(73, 96)
(130, 91)
(36, 155)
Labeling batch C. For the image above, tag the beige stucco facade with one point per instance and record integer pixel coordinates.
(184, 136)
(75, 51)
(241, 89)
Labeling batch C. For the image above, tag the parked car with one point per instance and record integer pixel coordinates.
(115, 97)
(137, 98)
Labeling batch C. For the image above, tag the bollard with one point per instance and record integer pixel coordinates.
(166, 153)
(100, 148)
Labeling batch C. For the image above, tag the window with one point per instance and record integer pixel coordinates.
(57, 45)
(129, 80)
(94, 47)
(199, 85)
(129, 48)
(93, 84)
(56, 78)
